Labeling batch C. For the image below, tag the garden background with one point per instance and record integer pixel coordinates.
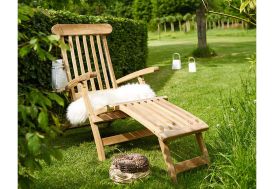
(212, 85)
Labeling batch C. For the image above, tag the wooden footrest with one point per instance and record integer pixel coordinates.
(126, 137)
(163, 118)
(190, 164)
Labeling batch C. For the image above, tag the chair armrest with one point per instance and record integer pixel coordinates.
(137, 74)
(83, 77)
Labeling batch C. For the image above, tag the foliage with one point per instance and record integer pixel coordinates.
(127, 44)
(204, 52)
(142, 10)
(179, 17)
(119, 8)
(187, 16)
(38, 125)
(170, 19)
(244, 10)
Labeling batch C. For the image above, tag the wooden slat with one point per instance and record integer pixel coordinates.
(109, 116)
(65, 59)
(103, 65)
(74, 65)
(159, 124)
(82, 68)
(95, 60)
(189, 164)
(186, 113)
(168, 125)
(177, 118)
(67, 67)
(171, 134)
(178, 112)
(126, 137)
(151, 104)
(110, 68)
(122, 103)
(142, 117)
(88, 62)
(81, 29)
(137, 74)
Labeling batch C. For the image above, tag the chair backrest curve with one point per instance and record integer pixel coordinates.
(88, 52)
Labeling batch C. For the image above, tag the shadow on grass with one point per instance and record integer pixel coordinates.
(162, 76)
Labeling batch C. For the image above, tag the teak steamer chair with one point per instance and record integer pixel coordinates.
(160, 117)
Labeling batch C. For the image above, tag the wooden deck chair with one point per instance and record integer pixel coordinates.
(88, 67)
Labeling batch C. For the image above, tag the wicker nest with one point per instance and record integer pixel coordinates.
(129, 167)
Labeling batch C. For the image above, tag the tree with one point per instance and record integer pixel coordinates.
(179, 18)
(158, 21)
(201, 26)
(187, 18)
(209, 21)
(163, 20)
(142, 10)
(194, 23)
(171, 20)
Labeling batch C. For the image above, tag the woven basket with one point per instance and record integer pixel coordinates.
(129, 167)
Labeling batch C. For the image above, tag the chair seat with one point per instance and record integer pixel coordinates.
(163, 118)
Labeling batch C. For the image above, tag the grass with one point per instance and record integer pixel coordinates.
(209, 94)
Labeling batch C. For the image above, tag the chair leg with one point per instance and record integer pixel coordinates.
(98, 142)
(202, 146)
(168, 160)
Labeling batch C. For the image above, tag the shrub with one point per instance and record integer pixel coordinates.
(37, 123)
(127, 44)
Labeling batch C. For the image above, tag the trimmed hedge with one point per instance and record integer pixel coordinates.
(127, 44)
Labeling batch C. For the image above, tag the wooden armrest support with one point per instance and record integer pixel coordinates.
(137, 74)
(83, 77)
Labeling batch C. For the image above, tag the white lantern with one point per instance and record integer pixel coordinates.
(191, 64)
(176, 63)
(58, 75)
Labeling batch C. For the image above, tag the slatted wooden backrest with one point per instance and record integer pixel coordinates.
(88, 52)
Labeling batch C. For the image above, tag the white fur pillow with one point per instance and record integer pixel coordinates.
(77, 113)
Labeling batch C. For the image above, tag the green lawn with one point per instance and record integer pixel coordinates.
(199, 93)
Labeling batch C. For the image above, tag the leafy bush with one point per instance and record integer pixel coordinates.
(127, 44)
(37, 126)
(37, 123)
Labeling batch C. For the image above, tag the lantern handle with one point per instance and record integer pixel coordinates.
(191, 58)
(176, 54)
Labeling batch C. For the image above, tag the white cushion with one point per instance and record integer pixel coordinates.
(77, 113)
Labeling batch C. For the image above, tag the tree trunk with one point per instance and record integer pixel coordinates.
(219, 24)
(214, 24)
(165, 26)
(223, 24)
(227, 24)
(201, 26)
(158, 30)
(180, 25)
(208, 25)
(188, 25)
(172, 26)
